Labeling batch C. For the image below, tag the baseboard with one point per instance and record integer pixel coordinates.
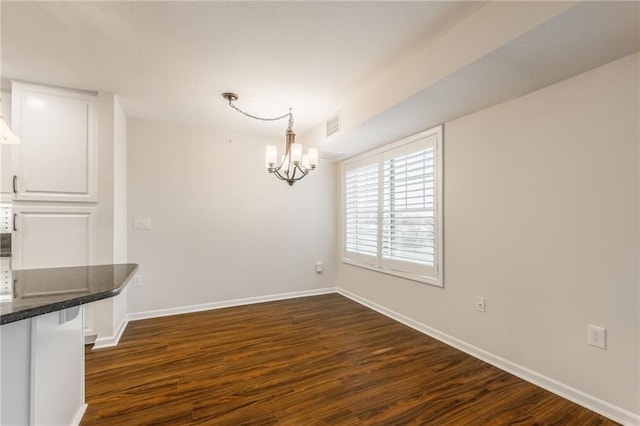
(110, 341)
(78, 417)
(227, 304)
(604, 408)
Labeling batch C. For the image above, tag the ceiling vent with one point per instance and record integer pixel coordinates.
(333, 125)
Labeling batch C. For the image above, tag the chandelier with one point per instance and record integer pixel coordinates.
(293, 165)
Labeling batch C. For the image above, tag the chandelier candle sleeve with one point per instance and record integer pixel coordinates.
(296, 153)
(271, 156)
(313, 157)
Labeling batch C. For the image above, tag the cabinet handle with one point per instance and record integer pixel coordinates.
(15, 184)
(15, 215)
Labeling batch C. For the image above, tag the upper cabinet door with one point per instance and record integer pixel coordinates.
(57, 160)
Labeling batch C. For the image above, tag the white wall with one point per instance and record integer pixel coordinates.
(105, 317)
(119, 184)
(222, 227)
(106, 136)
(541, 218)
(119, 206)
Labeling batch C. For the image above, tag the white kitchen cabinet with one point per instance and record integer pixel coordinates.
(53, 236)
(42, 370)
(57, 160)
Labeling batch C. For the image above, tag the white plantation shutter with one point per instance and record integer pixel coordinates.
(392, 208)
(409, 208)
(361, 212)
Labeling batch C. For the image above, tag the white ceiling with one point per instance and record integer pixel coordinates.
(171, 61)
(584, 37)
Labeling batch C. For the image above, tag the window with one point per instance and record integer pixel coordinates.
(393, 208)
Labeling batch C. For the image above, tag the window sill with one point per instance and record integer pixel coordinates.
(406, 275)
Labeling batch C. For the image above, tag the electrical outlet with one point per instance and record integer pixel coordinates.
(137, 280)
(597, 336)
(480, 304)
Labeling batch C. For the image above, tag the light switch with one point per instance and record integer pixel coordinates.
(142, 224)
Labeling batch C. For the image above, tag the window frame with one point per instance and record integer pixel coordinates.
(433, 275)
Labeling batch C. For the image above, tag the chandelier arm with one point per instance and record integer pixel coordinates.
(303, 171)
(280, 166)
(277, 169)
(291, 178)
(297, 168)
(279, 176)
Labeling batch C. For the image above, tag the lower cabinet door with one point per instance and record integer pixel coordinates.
(51, 236)
(15, 372)
(57, 368)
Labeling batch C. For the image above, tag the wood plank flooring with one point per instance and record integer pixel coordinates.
(322, 360)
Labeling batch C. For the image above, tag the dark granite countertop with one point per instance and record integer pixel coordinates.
(40, 291)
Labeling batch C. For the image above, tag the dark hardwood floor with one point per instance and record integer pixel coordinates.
(322, 360)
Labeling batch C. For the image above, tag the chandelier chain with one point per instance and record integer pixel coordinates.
(289, 114)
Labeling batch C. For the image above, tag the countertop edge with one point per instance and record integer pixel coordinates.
(69, 303)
